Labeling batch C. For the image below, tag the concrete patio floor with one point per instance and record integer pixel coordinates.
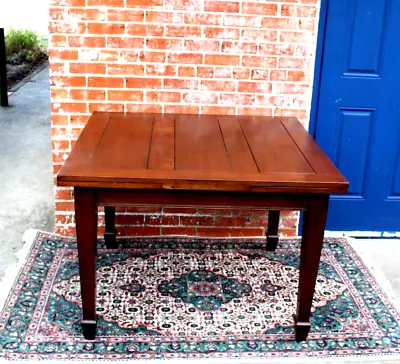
(26, 181)
(26, 185)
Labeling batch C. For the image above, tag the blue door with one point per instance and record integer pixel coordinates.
(358, 115)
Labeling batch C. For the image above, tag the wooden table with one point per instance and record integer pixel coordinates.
(208, 161)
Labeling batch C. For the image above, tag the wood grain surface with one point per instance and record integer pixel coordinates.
(199, 152)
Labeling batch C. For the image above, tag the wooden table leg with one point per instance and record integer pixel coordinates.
(86, 232)
(110, 235)
(314, 221)
(272, 232)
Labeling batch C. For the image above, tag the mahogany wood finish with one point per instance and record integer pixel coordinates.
(198, 160)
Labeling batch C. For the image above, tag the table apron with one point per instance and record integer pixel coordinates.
(214, 199)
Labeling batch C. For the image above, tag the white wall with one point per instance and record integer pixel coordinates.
(26, 14)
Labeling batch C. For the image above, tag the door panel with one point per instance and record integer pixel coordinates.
(358, 118)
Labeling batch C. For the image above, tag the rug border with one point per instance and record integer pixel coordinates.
(13, 271)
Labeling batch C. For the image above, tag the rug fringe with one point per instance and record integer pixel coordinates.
(12, 271)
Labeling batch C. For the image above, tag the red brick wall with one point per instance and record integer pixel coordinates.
(192, 56)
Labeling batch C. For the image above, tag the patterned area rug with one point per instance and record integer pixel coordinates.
(195, 298)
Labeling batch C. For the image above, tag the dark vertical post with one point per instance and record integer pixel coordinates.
(3, 71)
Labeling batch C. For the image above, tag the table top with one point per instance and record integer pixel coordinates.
(199, 152)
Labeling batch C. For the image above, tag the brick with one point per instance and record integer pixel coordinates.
(59, 68)
(87, 42)
(247, 232)
(59, 94)
(238, 47)
(125, 69)
(182, 84)
(68, 107)
(104, 28)
(213, 232)
(222, 59)
(205, 72)
(125, 42)
(242, 21)
(57, 40)
(196, 220)
(124, 95)
(181, 109)
(88, 55)
(160, 96)
(229, 221)
(62, 194)
(167, 230)
(291, 62)
(67, 27)
(259, 35)
(297, 76)
(291, 88)
(298, 11)
(64, 206)
(106, 82)
(256, 111)
(109, 55)
(109, 3)
(278, 75)
(183, 31)
(68, 81)
(59, 119)
(307, 24)
(203, 19)
(93, 95)
(129, 219)
(68, 2)
(187, 71)
(200, 98)
(128, 56)
(222, 72)
(294, 37)
(164, 17)
(284, 101)
(93, 68)
(141, 230)
(138, 82)
(214, 85)
(144, 108)
(260, 74)
(222, 6)
(145, 30)
(256, 61)
(185, 58)
(241, 73)
(125, 15)
(164, 43)
(160, 70)
(276, 49)
(58, 13)
(237, 99)
(300, 114)
(107, 107)
(218, 110)
(279, 23)
(155, 57)
(191, 5)
(253, 87)
(222, 33)
(202, 45)
(143, 3)
(63, 54)
(85, 14)
(259, 8)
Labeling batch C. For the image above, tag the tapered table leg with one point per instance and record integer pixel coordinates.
(314, 221)
(86, 232)
(110, 235)
(272, 232)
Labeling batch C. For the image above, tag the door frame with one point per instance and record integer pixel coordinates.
(319, 58)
